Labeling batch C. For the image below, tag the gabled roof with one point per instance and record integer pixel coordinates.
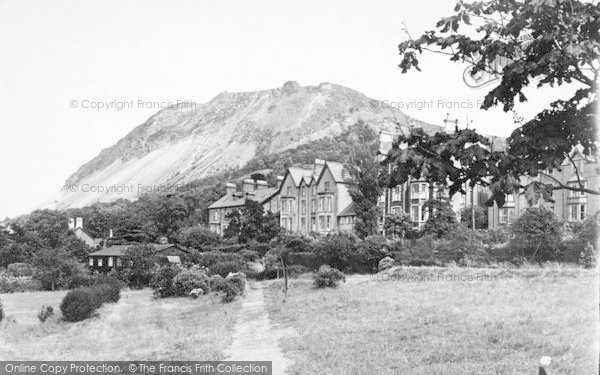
(348, 211)
(119, 250)
(338, 171)
(298, 174)
(239, 199)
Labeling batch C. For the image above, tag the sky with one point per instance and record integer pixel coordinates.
(66, 65)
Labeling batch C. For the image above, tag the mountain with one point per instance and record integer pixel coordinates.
(191, 141)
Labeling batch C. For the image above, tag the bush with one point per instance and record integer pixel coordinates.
(385, 263)
(328, 277)
(216, 283)
(162, 280)
(334, 249)
(305, 259)
(238, 280)
(588, 230)
(537, 233)
(229, 291)
(588, 257)
(78, 305)
(196, 237)
(188, 280)
(45, 313)
(368, 254)
(226, 267)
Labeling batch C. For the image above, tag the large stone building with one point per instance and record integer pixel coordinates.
(568, 205)
(255, 190)
(316, 199)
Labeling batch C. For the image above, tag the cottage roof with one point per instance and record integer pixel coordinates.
(238, 199)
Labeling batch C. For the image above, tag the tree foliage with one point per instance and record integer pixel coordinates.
(366, 186)
(442, 218)
(542, 43)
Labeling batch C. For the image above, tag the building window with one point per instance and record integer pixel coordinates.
(91, 261)
(414, 212)
(119, 262)
(321, 200)
(284, 207)
(313, 224)
(313, 206)
(289, 190)
(303, 207)
(575, 185)
(314, 190)
(510, 198)
(327, 185)
(328, 204)
(321, 222)
(303, 191)
(577, 212)
(110, 261)
(215, 215)
(328, 222)
(396, 194)
(303, 224)
(284, 222)
(290, 223)
(99, 262)
(506, 215)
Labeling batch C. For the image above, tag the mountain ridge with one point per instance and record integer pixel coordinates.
(189, 141)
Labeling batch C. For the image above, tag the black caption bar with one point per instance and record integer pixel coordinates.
(136, 367)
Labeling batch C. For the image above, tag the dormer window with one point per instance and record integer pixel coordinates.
(289, 190)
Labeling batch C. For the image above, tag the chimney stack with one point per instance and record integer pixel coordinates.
(249, 185)
(71, 223)
(230, 188)
(78, 222)
(279, 181)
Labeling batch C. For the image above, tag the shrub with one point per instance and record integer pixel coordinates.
(78, 305)
(229, 291)
(463, 246)
(196, 237)
(226, 267)
(305, 259)
(162, 280)
(216, 283)
(138, 263)
(238, 280)
(334, 249)
(368, 254)
(45, 313)
(537, 233)
(588, 257)
(588, 230)
(188, 280)
(328, 277)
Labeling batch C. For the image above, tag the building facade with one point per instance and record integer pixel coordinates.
(316, 199)
(570, 206)
(254, 190)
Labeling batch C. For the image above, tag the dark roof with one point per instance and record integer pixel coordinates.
(239, 199)
(348, 211)
(119, 250)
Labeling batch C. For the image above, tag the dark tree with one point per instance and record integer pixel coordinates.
(541, 43)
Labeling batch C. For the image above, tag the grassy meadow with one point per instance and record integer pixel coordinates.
(443, 321)
(135, 328)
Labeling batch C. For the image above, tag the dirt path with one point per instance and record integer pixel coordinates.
(254, 338)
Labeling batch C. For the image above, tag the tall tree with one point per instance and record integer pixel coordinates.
(542, 43)
(366, 184)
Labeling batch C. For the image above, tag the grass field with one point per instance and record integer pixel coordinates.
(135, 328)
(443, 321)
